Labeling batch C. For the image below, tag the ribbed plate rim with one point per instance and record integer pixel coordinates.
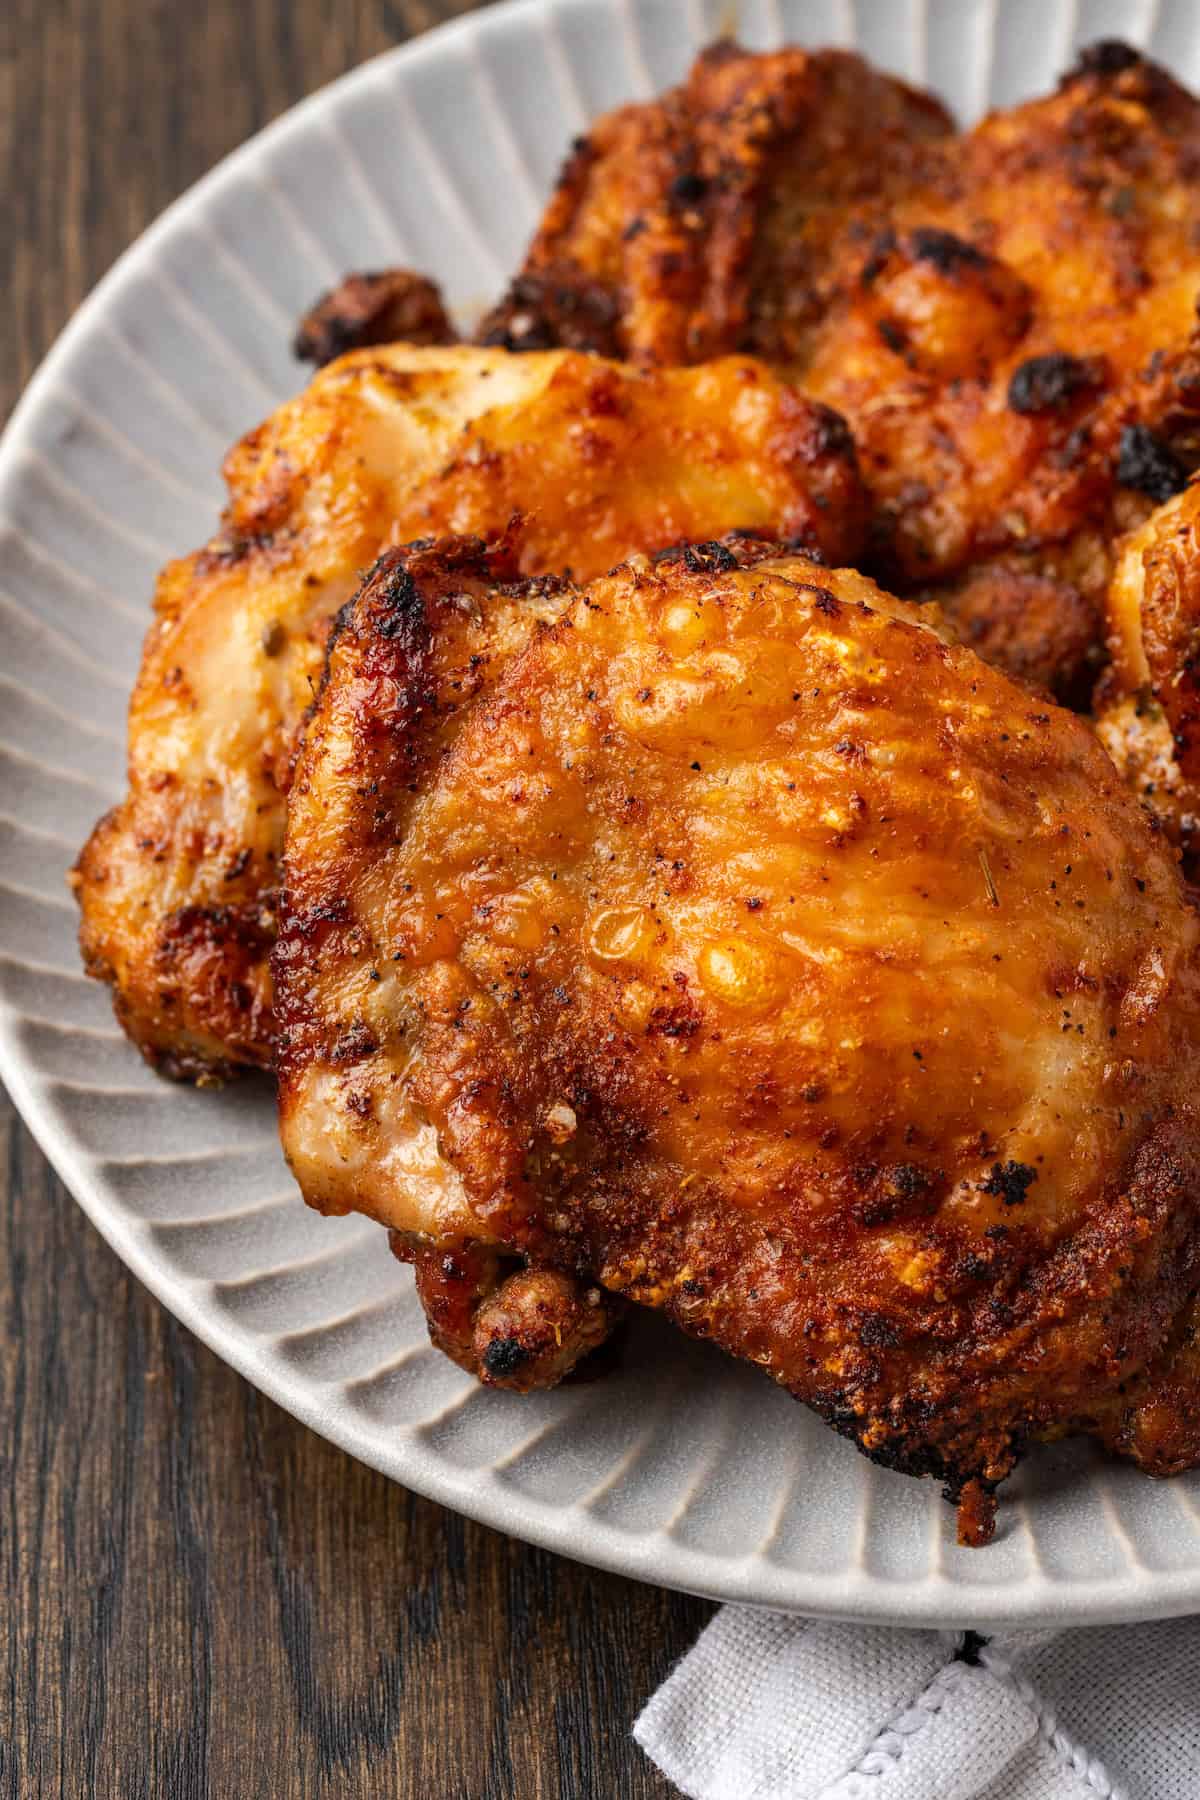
(1137, 1594)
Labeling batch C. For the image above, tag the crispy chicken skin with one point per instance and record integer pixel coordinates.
(1152, 1419)
(511, 1326)
(1005, 318)
(387, 306)
(1148, 703)
(709, 219)
(177, 883)
(1040, 630)
(1015, 347)
(745, 949)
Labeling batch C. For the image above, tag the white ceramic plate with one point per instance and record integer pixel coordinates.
(682, 1467)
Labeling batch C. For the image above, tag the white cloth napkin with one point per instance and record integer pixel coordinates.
(771, 1707)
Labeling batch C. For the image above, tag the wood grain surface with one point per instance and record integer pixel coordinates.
(199, 1597)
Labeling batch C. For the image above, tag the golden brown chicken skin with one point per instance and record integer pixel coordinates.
(745, 949)
(513, 1326)
(707, 219)
(177, 883)
(1148, 704)
(1005, 318)
(1015, 347)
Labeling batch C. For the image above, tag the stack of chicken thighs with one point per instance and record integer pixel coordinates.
(694, 793)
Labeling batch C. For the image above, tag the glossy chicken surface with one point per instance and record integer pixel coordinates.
(178, 883)
(741, 948)
(1006, 317)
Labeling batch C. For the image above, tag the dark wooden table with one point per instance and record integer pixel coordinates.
(199, 1597)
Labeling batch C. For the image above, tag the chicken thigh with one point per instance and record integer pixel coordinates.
(741, 948)
(1006, 318)
(177, 883)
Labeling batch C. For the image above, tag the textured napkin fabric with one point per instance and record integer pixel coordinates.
(770, 1707)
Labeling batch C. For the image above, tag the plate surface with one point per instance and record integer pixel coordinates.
(682, 1467)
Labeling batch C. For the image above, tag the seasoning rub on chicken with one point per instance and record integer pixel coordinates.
(1006, 318)
(178, 882)
(741, 948)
